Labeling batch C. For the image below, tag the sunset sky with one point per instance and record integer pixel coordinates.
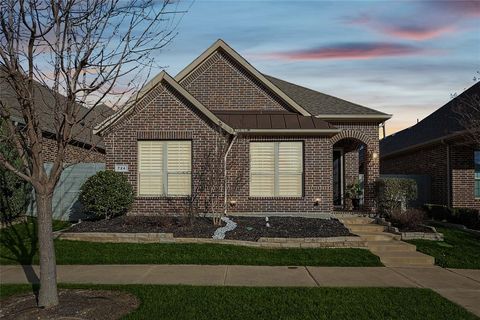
(400, 57)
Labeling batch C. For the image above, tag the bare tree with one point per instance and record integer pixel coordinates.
(214, 180)
(70, 56)
(467, 109)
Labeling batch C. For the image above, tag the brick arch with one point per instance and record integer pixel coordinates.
(351, 134)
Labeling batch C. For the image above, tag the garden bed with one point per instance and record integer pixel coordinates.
(412, 232)
(248, 228)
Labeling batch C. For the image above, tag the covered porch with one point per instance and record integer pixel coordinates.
(355, 167)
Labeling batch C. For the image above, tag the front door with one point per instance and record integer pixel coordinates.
(337, 177)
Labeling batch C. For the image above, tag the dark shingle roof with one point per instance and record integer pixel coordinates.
(439, 124)
(318, 103)
(270, 120)
(45, 103)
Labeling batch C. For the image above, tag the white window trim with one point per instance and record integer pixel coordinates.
(276, 173)
(164, 172)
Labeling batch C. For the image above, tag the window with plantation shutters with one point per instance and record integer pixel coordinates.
(164, 168)
(276, 169)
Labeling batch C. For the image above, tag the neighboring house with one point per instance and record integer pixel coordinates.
(439, 147)
(294, 148)
(86, 152)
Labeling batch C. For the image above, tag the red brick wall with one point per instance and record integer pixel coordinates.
(164, 115)
(161, 115)
(73, 153)
(463, 177)
(317, 178)
(431, 161)
(229, 87)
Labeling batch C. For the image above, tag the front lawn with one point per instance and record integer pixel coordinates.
(459, 250)
(187, 302)
(17, 246)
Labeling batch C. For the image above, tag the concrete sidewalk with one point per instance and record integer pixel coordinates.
(458, 285)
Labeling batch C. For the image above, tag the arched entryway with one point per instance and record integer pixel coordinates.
(354, 161)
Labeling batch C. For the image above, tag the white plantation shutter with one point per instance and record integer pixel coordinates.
(179, 167)
(290, 169)
(164, 168)
(276, 169)
(262, 169)
(150, 168)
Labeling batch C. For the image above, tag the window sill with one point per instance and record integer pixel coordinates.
(165, 197)
(276, 198)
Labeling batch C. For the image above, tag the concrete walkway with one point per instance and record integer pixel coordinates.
(458, 285)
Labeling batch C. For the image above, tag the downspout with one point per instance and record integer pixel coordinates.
(449, 186)
(225, 174)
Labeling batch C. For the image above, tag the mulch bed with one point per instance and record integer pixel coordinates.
(253, 228)
(248, 228)
(179, 226)
(74, 304)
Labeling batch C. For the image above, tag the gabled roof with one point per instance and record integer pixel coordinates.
(326, 106)
(45, 103)
(162, 76)
(221, 45)
(271, 121)
(441, 124)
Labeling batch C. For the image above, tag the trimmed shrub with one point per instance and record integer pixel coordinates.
(106, 194)
(467, 216)
(408, 220)
(438, 212)
(394, 194)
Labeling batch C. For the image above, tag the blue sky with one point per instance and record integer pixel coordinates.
(400, 57)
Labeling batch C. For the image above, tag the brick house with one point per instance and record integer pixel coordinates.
(439, 147)
(85, 147)
(85, 153)
(287, 149)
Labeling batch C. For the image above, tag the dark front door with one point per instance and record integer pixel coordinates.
(337, 177)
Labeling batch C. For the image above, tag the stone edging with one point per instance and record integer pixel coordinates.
(332, 242)
(434, 235)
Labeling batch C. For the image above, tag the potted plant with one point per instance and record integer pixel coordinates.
(353, 193)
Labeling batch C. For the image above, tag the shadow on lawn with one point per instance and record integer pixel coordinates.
(20, 240)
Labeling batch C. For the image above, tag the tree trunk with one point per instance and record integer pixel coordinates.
(48, 296)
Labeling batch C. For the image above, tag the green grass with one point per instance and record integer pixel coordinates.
(18, 245)
(187, 302)
(459, 250)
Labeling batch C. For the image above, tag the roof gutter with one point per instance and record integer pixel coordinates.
(288, 131)
(426, 143)
(379, 117)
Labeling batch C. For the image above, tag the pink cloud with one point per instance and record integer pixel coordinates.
(349, 51)
(404, 29)
(466, 8)
(417, 32)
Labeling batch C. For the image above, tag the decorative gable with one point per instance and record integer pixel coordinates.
(221, 83)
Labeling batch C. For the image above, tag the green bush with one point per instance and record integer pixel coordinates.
(467, 216)
(394, 194)
(106, 194)
(15, 193)
(438, 212)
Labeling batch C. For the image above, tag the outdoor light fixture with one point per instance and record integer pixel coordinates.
(375, 155)
(233, 203)
(317, 201)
